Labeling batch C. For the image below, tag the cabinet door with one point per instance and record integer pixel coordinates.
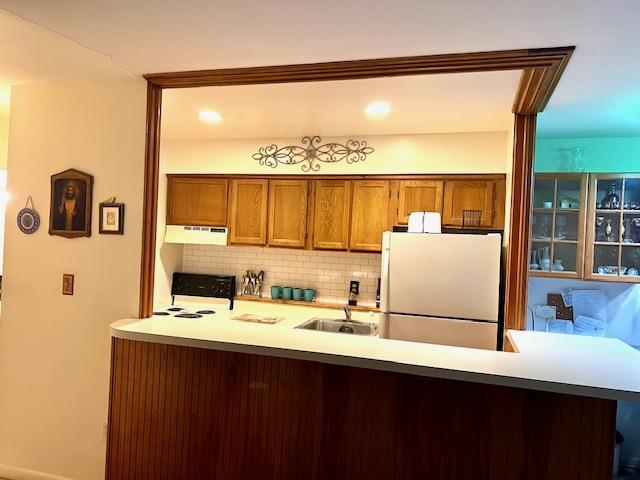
(460, 195)
(197, 201)
(418, 196)
(248, 223)
(288, 213)
(369, 214)
(332, 207)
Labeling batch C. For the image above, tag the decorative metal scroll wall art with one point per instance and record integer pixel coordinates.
(312, 153)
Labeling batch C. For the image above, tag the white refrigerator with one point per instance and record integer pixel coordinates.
(441, 288)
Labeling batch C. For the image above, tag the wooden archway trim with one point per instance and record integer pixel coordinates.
(542, 69)
(518, 252)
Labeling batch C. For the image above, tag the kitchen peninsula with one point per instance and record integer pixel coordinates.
(223, 398)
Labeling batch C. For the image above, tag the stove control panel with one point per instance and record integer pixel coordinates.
(198, 285)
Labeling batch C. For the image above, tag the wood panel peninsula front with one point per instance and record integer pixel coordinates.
(220, 398)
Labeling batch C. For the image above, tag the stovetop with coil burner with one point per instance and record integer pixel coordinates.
(184, 312)
(195, 287)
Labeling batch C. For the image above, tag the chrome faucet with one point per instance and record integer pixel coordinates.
(347, 313)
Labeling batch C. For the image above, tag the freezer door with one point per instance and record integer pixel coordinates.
(442, 331)
(446, 275)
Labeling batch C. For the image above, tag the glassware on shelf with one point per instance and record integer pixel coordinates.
(631, 260)
(635, 222)
(561, 225)
(542, 226)
(599, 222)
(608, 230)
(606, 259)
(631, 193)
(557, 224)
(543, 192)
(544, 258)
(534, 261)
(625, 231)
(612, 200)
(565, 257)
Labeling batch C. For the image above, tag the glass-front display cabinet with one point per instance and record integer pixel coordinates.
(558, 225)
(613, 228)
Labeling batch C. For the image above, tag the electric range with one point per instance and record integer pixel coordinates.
(198, 296)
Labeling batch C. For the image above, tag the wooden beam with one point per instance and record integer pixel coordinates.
(520, 226)
(528, 96)
(549, 58)
(149, 219)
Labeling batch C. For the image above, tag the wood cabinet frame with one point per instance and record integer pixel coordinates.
(272, 240)
(173, 180)
(590, 229)
(581, 227)
(356, 209)
(261, 238)
(344, 218)
(488, 216)
(401, 186)
(541, 71)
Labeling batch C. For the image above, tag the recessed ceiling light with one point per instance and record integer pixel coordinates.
(378, 109)
(210, 116)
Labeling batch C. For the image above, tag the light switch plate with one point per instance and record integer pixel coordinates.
(67, 283)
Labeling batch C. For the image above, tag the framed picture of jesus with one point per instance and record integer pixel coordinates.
(70, 214)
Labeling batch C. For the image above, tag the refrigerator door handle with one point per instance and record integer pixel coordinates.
(384, 275)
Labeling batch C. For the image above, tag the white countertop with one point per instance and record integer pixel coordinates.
(588, 366)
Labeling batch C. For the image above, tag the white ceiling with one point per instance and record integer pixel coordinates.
(419, 104)
(597, 95)
(31, 53)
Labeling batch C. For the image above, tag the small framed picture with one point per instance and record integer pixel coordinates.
(112, 218)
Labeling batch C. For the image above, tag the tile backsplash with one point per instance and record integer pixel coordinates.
(327, 272)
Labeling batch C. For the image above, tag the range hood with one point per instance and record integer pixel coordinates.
(193, 234)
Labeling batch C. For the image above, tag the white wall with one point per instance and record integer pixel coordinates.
(623, 316)
(623, 303)
(4, 141)
(55, 349)
(168, 256)
(4, 197)
(4, 125)
(482, 152)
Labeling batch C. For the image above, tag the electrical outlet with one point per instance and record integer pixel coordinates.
(105, 431)
(67, 283)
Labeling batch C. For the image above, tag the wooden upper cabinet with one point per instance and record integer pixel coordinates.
(369, 214)
(197, 201)
(248, 222)
(418, 196)
(331, 212)
(288, 213)
(460, 195)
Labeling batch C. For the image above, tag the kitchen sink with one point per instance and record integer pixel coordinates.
(336, 325)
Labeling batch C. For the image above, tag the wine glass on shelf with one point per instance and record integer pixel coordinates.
(561, 224)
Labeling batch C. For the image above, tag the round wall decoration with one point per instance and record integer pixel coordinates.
(28, 218)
